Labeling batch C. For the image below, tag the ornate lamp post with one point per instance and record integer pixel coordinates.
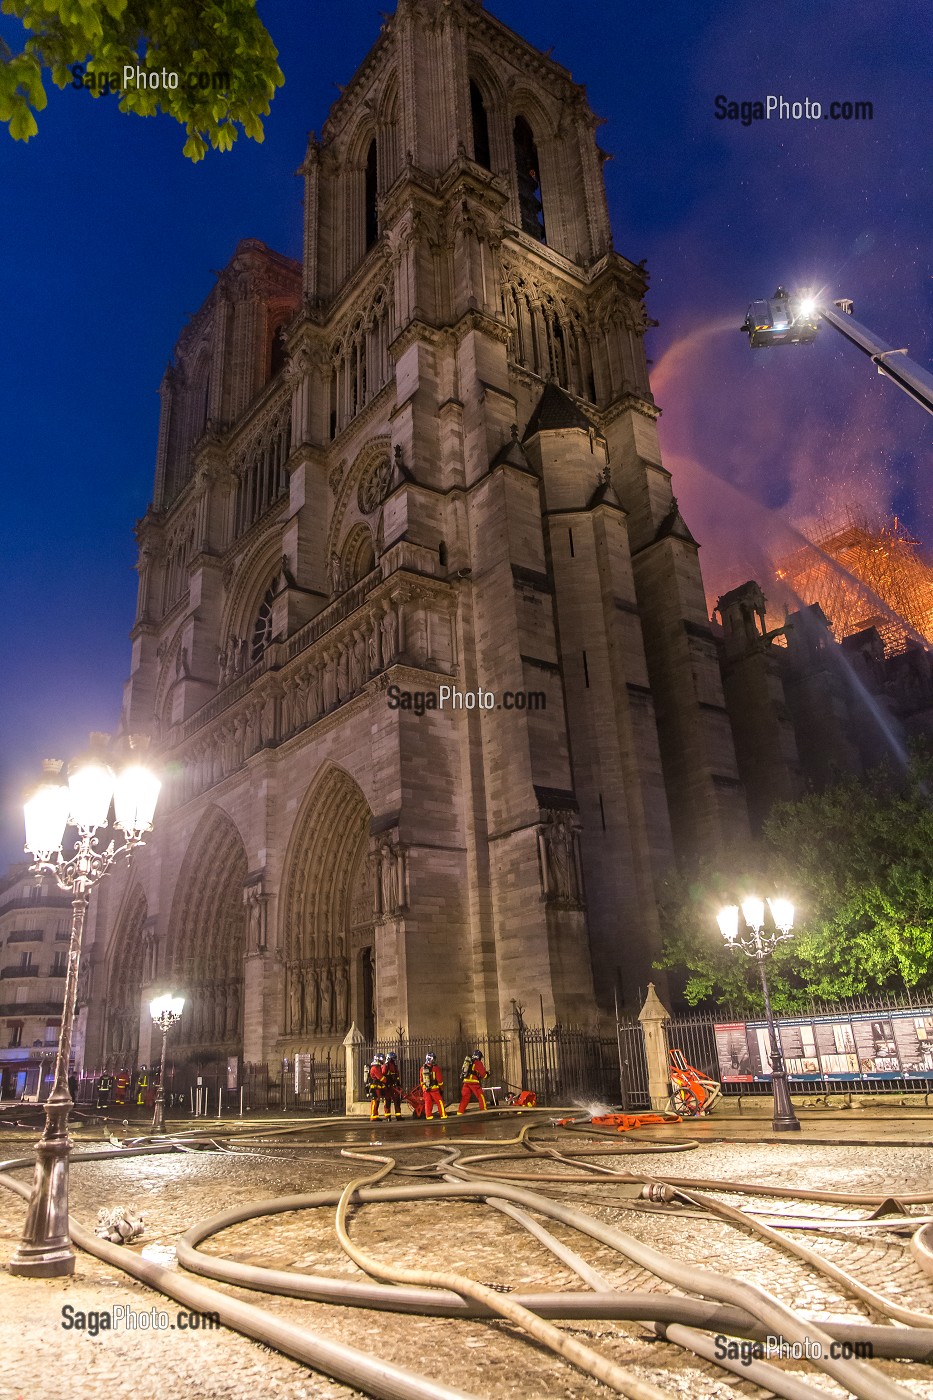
(165, 1011)
(759, 944)
(85, 803)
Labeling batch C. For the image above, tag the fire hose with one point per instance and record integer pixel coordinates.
(736, 1308)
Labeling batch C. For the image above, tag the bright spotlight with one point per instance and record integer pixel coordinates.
(807, 306)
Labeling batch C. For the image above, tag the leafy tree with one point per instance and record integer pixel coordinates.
(104, 36)
(858, 862)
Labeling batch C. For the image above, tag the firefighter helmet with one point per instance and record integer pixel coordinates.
(379, 1059)
(476, 1055)
(429, 1058)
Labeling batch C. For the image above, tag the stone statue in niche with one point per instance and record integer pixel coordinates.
(312, 1003)
(389, 636)
(373, 650)
(342, 997)
(327, 1000)
(267, 722)
(294, 999)
(337, 583)
(390, 878)
(559, 859)
(343, 673)
(314, 694)
(357, 662)
(233, 1009)
(330, 683)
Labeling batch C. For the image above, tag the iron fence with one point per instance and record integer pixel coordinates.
(562, 1065)
(694, 1033)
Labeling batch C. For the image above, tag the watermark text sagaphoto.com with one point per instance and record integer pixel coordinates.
(778, 1349)
(136, 1320)
(780, 108)
(149, 79)
(450, 697)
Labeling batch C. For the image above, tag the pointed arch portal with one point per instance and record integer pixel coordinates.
(329, 945)
(124, 986)
(209, 919)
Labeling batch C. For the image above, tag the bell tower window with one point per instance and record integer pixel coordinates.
(481, 149)
(369, 197)
(277, 353)
(530, 204)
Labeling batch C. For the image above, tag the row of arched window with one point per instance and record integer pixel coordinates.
(262, 479)
(175, 571)
(359, 364)
(550, 342)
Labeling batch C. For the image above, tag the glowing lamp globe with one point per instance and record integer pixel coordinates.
(753, 912)
(782, 912)
(90, 783)
(135, 795)
(728, 921)
(46, 812)
(166, 1005)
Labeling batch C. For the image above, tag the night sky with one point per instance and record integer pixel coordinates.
(109, 237)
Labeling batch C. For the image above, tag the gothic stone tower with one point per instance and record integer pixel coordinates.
(425, 457)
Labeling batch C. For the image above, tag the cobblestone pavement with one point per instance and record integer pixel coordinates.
(487, 1359)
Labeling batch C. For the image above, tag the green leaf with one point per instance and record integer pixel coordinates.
(22, 123)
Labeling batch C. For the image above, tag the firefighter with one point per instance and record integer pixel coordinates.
(432, 1082)
(121, 1088)
(375, 1083)
(472, 1073)
(142, 1084)
(392, 1086)
(104, 1088)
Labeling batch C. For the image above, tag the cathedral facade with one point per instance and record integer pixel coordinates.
(418, 466)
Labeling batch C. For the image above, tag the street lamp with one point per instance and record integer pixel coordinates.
(759, 944)
(165, 1011)
(84, 803)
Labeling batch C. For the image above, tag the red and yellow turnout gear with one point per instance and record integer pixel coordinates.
(473, 1073)
(432, 1082)
(375, 1084)
(392, 1087)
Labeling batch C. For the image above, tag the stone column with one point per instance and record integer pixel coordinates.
(653, 1017)
(352, 1045)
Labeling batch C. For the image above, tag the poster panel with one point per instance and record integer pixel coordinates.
(876, 1047)
(835, 1044)
(913, 1036)
(735, 1066)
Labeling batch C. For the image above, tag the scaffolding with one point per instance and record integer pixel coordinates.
(864, 574)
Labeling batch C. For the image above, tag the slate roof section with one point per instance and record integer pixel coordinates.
(556, 409)
(605, 493)
(512, 454)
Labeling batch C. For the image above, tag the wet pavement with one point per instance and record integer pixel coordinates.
(487, 1359)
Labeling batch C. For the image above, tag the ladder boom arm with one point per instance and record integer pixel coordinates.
(895, 364)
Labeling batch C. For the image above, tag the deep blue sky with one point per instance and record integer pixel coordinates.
(109, 235)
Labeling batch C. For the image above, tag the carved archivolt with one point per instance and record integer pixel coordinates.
(208, 921)
(323, 870)
(131, 963)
